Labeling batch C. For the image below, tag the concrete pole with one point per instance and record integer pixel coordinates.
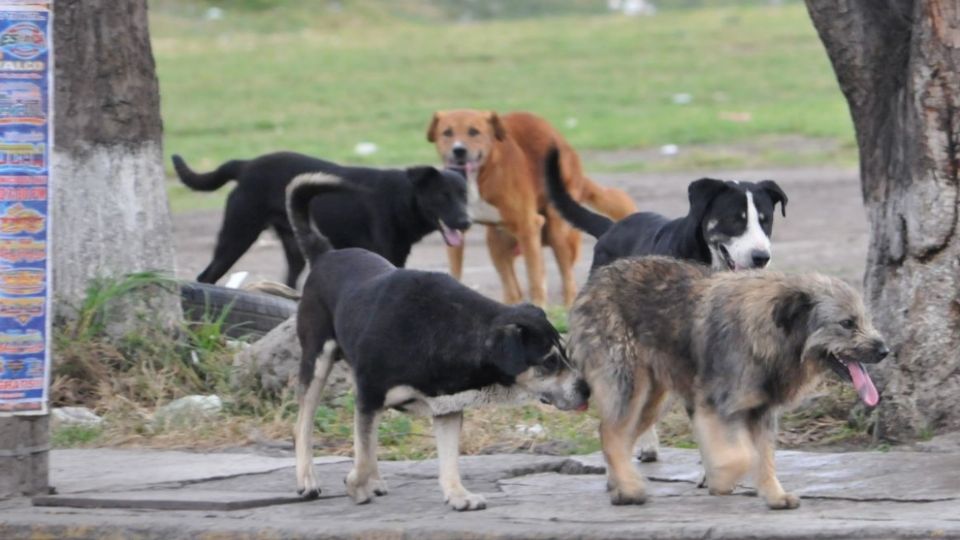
(24, 455)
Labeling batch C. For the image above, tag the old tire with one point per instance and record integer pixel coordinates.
(248, 314)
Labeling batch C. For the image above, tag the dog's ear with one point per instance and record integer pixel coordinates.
(776, 194)
(432, 128)
(420, 176)
(792, 310)
(507, 349)
(700, 193)
(498, 130)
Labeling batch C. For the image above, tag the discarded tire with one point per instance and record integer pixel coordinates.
(248, 314)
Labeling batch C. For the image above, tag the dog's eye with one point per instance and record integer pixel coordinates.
(848, 324)
(763, 218)
(448, 132)
(551, 363)
(473, 132)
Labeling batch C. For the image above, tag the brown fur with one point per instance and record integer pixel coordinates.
(735, 347)
(511, 150)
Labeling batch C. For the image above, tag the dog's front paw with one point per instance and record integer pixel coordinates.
(621, 496)
(784, 501)
(307, 486)
(360, 491)
(465, 501)
(379, 487)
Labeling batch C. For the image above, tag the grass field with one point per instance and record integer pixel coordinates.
(306, 78)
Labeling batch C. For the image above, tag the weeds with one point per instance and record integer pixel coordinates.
(125, 379)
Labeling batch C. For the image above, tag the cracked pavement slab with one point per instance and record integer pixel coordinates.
(845, 495)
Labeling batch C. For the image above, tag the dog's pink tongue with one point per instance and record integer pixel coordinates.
(453, 237)
(863, 384)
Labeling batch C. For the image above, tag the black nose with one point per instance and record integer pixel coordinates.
(459, 152)
(461, 224)
(882, 352)
(760, 258)
(583, 389)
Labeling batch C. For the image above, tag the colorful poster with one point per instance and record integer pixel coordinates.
(25, 137)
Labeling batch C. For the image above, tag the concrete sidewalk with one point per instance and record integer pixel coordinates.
(848, 495)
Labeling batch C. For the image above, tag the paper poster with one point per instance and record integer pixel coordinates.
(25, 137)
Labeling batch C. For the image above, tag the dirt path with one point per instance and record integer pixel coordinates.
(825, 230)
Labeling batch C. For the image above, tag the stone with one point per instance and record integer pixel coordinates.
(272, 364)
(187, 410)
(74, 416)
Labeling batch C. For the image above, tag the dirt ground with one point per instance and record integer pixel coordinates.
(825, 230)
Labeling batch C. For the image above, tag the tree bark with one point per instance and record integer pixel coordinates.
(898, 64)
(111, 211)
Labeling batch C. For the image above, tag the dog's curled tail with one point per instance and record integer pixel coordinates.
(210, 181)
(300, 192)
(579, 216)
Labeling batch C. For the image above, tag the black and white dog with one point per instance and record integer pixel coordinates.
(395, 211)
(728, 226)
(415, 341)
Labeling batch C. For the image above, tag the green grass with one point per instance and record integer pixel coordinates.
(312, 80)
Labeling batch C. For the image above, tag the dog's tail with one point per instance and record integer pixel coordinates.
(609, 201)
(210, 181)
(580, 217)
(300, 192)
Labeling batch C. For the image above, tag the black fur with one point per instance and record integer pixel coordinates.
(400, 327)
(649, 233)
(398, 208)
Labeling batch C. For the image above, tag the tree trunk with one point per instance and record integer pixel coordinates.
(898, 64)
(111, 212)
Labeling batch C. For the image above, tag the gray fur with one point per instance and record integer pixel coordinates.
(735, 347)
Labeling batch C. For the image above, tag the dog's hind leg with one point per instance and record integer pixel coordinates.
(649, 441)
(295, 260)
(565, 242)
(649, 444)
(308, 399)
(725, 447)
(242, 224)
(618, 434)
(364, 480)
(763, 431)
(446, 429)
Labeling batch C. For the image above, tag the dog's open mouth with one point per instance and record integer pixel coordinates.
(465, 167)
(453, 237)
(856, 374)
(725, 256)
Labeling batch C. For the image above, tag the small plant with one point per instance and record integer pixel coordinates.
(71, 436)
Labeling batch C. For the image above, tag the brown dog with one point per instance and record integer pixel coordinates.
(503, 159)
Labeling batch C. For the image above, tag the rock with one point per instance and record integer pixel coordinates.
(272, 364)
(948, 442)
(75, 416)
(188, 410)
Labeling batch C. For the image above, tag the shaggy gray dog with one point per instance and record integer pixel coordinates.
(735, 347)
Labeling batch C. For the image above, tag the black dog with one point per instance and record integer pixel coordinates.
(396, 210)
(416, 341)
(728, 226)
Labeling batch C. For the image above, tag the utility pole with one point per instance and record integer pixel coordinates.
(26, 76)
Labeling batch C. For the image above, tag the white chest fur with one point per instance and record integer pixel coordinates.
(480, 210)
(416, 402)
